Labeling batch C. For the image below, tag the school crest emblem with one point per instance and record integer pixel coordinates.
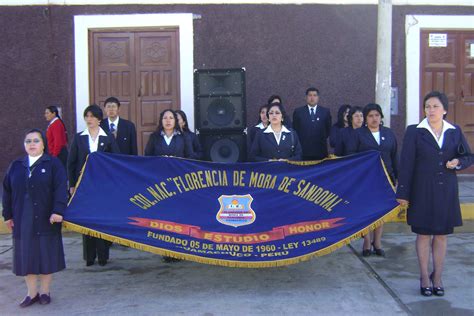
(236, 210)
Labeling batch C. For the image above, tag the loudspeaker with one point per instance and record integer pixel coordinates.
(220, 99)
(220, 113)
(224, 147)
(220, 82)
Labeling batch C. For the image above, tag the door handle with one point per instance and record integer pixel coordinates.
(140, 92)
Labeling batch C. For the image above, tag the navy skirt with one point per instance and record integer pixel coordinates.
(34, 254)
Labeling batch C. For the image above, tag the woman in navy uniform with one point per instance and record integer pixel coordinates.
(197, 152)
(168, 140)
(338, 127)
(92, 139)
(432, 152)
(346, 143)
(34, 200)
(276, 142)
(374, 136)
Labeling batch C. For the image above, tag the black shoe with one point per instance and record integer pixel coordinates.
(45, 299)
(102, 262)
(425, 291)
(89, 263)
(437, 290)
(366, 252)
(28, 301)
(378, 251)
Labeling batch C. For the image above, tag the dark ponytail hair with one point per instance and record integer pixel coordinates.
(54, 109)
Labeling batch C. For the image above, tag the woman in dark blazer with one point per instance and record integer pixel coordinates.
(432, 152)
(262, 124)
(338, 127)
(34, 200)
(374, 136)
(92, 139)
(193, 139)
(168, 139)
(346, 143)
(276, 142)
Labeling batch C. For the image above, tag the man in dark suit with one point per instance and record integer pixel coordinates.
(312, 123)
(123, 130)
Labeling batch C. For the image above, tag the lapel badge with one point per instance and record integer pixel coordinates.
(383, 138)
(43, 170)
(317, 118)
(283, 137)
(101, 144)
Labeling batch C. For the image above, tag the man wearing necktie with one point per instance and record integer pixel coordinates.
(312, 123)
(123, 130)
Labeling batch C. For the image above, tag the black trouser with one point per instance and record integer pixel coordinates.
(93, 247)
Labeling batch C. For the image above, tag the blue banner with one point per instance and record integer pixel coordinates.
(244, 215)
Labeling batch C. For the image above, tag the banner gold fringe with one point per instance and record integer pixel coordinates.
(229, 263)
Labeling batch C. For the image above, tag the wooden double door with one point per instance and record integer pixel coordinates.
(447, 65)
(140, 67)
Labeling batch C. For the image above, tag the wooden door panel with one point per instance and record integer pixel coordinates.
(439, 70)
(141, 69)
(465, 110)
(113, 65)
(157, 68)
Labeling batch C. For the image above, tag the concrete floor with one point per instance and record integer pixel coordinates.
(340, 283)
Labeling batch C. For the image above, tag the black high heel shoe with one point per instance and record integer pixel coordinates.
(378, 251)
(437, 290)
(425, 291)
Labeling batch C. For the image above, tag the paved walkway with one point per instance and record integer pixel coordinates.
(340, 283)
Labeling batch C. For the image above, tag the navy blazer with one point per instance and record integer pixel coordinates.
(46, 188)
(387, 148)
(79, 151)
(421, 156)
(126, 136)
(265, 147)
(197, 152)
(179, 146)
(313, 135)
(251, 132)
(335, 135)
(424, 181)
(347, 142)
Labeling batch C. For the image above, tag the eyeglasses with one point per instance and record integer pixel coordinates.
(29, 141)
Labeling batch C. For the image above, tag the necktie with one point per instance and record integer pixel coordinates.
(112, 129)
(312, 114)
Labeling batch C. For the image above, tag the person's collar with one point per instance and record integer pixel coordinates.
(53, 120)
(424, 124)
(312, 107)
(269, 129)
(115, 122)
(101, 132)
(260, 125)
(175, 132)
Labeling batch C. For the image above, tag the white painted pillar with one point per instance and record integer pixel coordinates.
(383, 77)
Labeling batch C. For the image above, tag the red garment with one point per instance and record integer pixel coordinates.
(56, 136)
